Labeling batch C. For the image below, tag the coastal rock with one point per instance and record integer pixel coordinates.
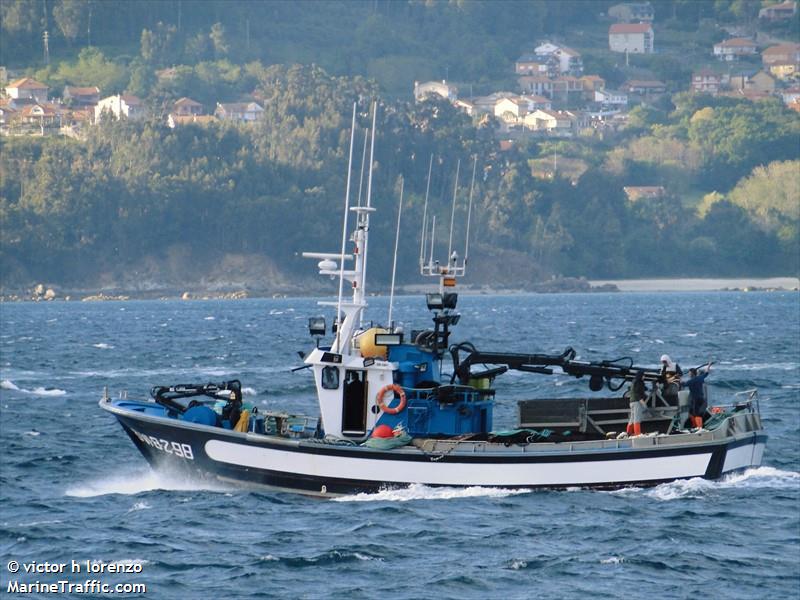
(101, 297)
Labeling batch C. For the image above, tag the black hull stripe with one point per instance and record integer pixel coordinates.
(198, 439)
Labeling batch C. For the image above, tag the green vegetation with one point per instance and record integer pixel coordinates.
(133, 192)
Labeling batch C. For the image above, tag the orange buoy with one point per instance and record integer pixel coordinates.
(397, 390)
(382, 431)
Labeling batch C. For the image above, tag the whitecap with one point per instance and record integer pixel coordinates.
(275, 311)
(364, 557)
(248, 391)
(103, 346)
(32, 433)
(689, 335)
(8, 385)
(34, 523)
(612, 560)
(37, 391)
(419, 491)
(518, 564)
(268, 557)
(136, 484)
(40, 391)
(139, 506)
(210, 319)
(757, 477)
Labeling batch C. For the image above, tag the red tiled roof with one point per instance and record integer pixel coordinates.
(186, 102)
(630, 28)
(46, 111)
(27, 83)
(781, 49)
(82, 91)
(569, 51)
(644, 83)
(737, 43)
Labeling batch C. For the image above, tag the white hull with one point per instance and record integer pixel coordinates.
(323, 469)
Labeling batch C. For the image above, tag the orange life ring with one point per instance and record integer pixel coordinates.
(397, 390)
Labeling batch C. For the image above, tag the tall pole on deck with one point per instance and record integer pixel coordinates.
(344, 227)
(362, 283)
(396, 243)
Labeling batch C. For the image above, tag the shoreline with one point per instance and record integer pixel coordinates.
(741, 284)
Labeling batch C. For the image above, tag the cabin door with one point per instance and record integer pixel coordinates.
(354, 407)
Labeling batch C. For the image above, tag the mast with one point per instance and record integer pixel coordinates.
(453, 212)
(362, 287)
(394, 261)
(352, 309)
(425, 218)
(344, 221)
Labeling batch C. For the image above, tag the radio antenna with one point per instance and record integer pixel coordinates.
(469, 209)
(344, 224)
(363, 162)
(396, 243)
(425, 218)
(453, 213)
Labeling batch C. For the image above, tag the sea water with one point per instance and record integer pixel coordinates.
(74, 488)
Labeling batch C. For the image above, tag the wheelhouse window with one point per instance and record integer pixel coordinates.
(330, 378)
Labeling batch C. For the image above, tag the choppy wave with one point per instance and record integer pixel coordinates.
(139, 506)
(422, 492)
(37, 391)
(760, 477)
(139, 483)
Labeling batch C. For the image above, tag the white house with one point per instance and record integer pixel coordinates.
(733, 48)
(466, 106)
(636, 38)
(644, 87)
(243, 112)
(429, 88)
(778, 12)
(611, 97)
(705, 81)
(530, 64)
(81, 96)
(27, 89)
(119, 106)
(486, 104)
(186, 106)
(514, 109)
(536, 84)
(552, 122)
(559, 59)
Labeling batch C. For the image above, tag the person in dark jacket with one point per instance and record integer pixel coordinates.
(697, 398)
(671, 374)
(637, 397)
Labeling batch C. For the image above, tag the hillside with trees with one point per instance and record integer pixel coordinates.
(138, 201)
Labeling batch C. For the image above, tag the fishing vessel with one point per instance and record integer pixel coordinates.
(390, 415)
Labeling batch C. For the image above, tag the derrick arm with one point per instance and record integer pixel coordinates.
(167, 396)
(600, 372)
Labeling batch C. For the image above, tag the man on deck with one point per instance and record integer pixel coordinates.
(697, 397)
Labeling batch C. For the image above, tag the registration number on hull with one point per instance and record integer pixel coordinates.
(174, 448)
